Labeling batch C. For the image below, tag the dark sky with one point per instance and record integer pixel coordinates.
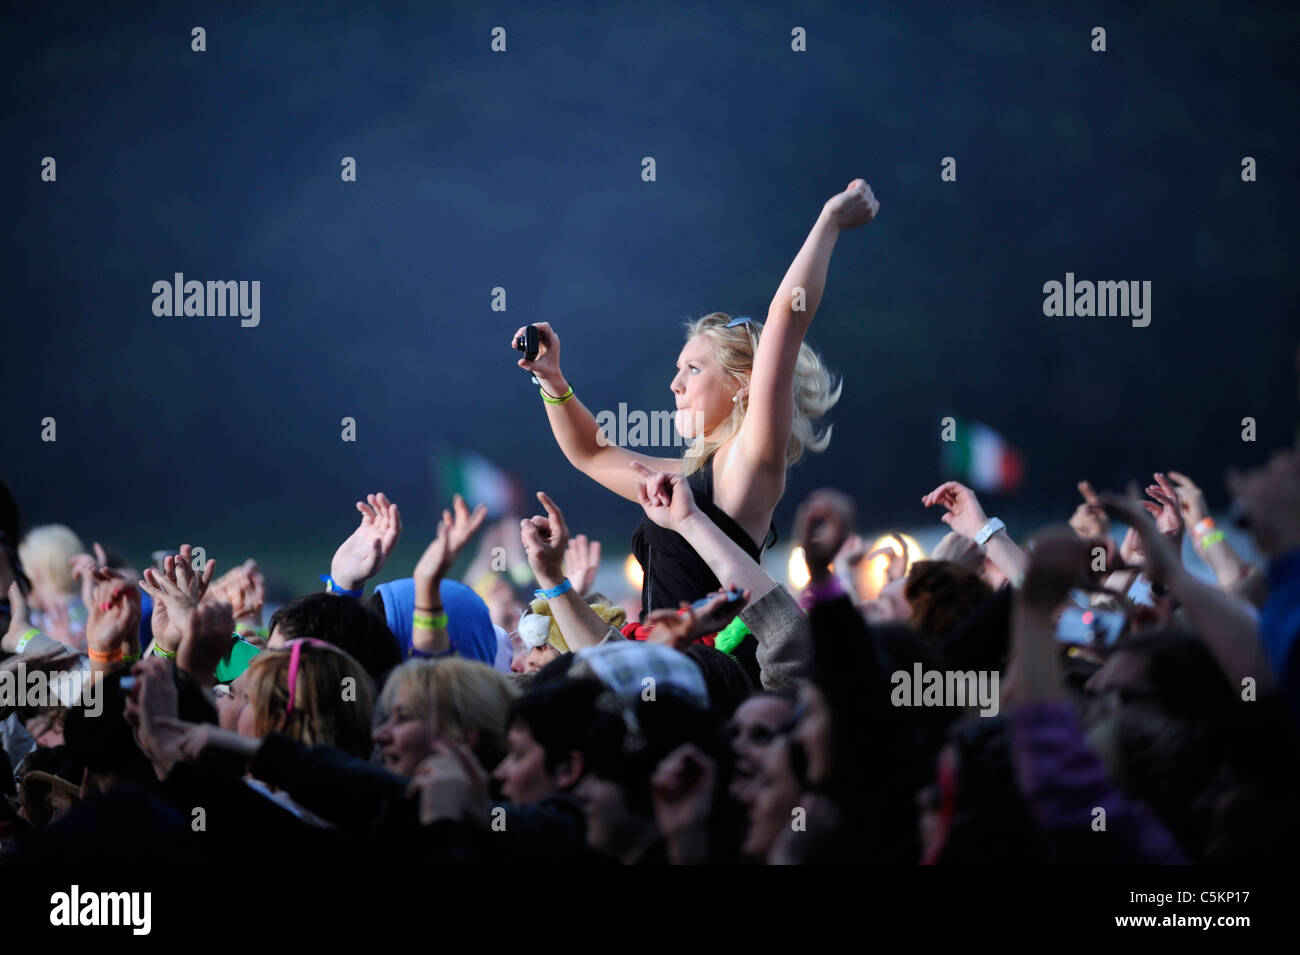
(522, 170)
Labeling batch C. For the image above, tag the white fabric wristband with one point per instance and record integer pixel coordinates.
(991, 527)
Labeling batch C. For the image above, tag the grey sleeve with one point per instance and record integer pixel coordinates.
(612, 635)
(39, 643)
(784, 638)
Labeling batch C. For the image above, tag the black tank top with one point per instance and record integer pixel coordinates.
(673, 571)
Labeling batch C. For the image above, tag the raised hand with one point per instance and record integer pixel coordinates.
(964, 513)
(581, 561)
(1191, 498)
(1166, 510)
(113, 620)
(1057, 564)
(193, 582)
(1158, 549)
(852, 553)
(545, 540)
(176, 590)
(84, 568)
(822, 524)
(897, 559)
(362, 555)
(667, 499)
(244, 588)
(546, 366)
(454, 531)
(1089, 518)
(855, 206)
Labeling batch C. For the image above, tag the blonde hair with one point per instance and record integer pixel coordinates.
(322, 713)
(815, 390)
(454, 697)
(612, 614)
(45, 553)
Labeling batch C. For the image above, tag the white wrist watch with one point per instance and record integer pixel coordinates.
(991, 527)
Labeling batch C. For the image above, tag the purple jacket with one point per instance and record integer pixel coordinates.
(1064, 782)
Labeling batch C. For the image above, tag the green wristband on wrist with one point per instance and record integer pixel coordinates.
(26, 638)
(557, 399)
(165, 654)
(429, 621)
(1213, 537)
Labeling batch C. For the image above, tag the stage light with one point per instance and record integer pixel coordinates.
(633, 572)
(797, 570)
(871, 575)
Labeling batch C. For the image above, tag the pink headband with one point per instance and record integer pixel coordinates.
(294, 654)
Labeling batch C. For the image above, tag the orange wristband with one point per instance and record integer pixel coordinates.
(97, 657)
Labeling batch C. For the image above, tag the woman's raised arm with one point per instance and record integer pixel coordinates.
(769, 416)
(575, 428)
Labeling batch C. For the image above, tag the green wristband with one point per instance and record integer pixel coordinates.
(165, 654)
(556, 399)
(1211, 538)
(729, 637)
(429, 621)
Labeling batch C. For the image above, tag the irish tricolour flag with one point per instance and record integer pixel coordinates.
(979, 457)
(478, 481)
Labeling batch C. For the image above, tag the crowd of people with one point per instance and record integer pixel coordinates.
(1141, 712)
(429, 724)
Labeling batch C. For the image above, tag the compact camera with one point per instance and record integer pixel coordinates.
(527, 342)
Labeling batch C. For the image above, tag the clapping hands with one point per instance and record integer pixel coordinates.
(176, 590)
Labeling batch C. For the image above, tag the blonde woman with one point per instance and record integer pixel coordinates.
(747, 396)
(462, 701)
(55, 603)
